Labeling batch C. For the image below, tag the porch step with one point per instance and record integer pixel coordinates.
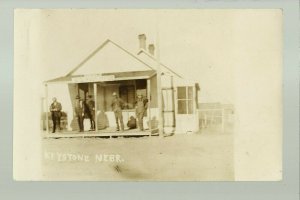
(99, 134)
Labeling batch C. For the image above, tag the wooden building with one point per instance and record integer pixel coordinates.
(111, 68)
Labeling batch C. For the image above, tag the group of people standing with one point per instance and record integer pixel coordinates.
(86, 107)
(141, 106)
(82, 109)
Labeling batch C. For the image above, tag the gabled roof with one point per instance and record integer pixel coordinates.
(150, 60)
(109, 57)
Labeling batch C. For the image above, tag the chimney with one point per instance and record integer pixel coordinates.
(142, 38)
(151, 49)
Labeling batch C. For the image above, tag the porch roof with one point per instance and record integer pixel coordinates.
(104, 77)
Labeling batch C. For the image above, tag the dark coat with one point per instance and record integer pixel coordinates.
(91, 107)
(131, 123)
(56, 109)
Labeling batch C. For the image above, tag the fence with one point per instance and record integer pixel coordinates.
(220, 116)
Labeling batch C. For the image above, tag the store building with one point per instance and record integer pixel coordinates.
(111, 68)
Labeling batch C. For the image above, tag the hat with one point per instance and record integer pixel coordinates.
(114, 94)
(77, 97)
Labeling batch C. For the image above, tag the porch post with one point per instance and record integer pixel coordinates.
(96, 103)
(149, 105)
(159, 92)
(47, 109)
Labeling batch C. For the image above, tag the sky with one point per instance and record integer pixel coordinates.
(199, 44)
(194, 43)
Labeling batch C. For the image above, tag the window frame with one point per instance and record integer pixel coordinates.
(188, 101)
(133, 87)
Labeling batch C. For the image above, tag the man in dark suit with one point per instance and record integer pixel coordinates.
(55, 110)
(79, 111)
(91, 111)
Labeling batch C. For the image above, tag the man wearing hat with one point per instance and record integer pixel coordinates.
(117, 105)
(140, 110)
(79, 111)
(55, 110)
(91, 111)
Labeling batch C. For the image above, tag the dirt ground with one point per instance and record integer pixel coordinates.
(205, 156)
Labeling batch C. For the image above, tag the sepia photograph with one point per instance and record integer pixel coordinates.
(147, 94)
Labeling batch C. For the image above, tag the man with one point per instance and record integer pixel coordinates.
(55, 110)
(91, 111)
(79, 111)
(117, 105)
(140, 110)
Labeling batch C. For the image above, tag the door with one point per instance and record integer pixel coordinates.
(168, 104)
(187, 117)
(83, 89)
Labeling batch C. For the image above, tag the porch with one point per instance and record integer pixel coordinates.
(109, 132)
(126, 85)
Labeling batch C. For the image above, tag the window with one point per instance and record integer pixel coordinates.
(129, 89)
(127, 94)
(185, 100)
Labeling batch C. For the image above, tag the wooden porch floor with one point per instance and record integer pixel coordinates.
(108, 132)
